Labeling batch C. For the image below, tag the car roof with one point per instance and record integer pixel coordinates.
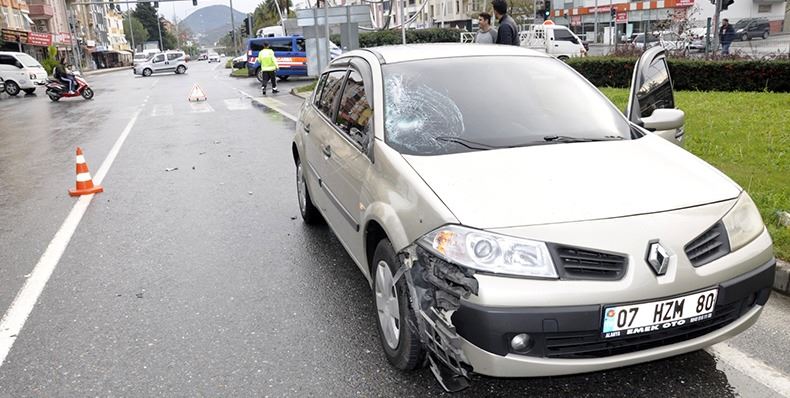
(414, 52)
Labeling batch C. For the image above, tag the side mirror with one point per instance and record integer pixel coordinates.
(664, 119)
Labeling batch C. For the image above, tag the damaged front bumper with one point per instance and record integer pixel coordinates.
(462, 337)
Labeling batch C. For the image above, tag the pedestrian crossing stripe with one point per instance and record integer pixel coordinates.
(201, 107)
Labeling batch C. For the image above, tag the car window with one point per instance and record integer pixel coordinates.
(159, 58)
(318, 88)
(426, 111)
(173, 56)
(300, 45)
(7, 60)
(354, 111)
(280, 44)
(655, 89)
(563, 35)
(331, 90)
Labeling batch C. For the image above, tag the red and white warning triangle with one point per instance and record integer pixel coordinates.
(197, 94)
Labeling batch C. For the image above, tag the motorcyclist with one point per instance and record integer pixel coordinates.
(62, 75)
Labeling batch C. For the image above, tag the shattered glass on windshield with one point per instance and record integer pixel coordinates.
(416, 114)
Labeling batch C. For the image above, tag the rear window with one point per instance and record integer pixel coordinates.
(518, 101)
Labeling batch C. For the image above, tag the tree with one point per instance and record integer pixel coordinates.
(140, 33)
(169, 41)
(266, 13)
(147, 15)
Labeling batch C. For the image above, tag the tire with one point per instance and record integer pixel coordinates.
(745, 37)
(765, 35)
(87, 93)
(181, 70)
(259, 75)
(284, 78)
(563, 58)
(53, 96)
(309, 212)
(29, 90)
(147, 72)
(406, 351)
(11, 88)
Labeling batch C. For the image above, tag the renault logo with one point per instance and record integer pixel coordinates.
(657, 257)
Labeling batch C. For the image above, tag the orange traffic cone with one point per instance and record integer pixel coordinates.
(84, 180)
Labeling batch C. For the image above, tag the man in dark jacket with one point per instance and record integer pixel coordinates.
(62, 75)
(726, 36)
(507, 32)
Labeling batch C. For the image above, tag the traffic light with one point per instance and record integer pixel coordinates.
(244, 31)
(613, 12)
(156, 4)
(194, 3)
(546, 9)
(726, 3)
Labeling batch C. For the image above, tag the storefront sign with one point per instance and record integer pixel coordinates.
(622, 17)
(684, 3)
(14, 35)
(576, 20)
(63, 38)
(39, 39)
(90, 43)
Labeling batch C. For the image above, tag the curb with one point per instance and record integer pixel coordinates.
(303, 95)
(103, 71)
(782, 277)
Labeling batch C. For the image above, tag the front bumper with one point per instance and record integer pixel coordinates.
(567, 339)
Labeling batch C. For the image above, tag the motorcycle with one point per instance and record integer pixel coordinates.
(58, 89)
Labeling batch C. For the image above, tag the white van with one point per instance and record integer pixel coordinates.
(555, 40)
(168, 61)
(21, 72)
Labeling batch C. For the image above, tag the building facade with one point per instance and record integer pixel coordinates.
(33, 26)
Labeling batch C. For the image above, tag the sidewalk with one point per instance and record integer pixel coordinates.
(107, 70)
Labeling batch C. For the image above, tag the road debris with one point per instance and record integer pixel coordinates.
(139, 295)
(171, 169)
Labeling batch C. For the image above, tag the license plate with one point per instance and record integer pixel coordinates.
(627, 320)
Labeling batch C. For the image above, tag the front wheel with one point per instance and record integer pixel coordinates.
(11, 88)
(181, 69)
(147, 72)
(310, 214)
(563, 58)
(53, 95)
(29, 90)
(401, 344)
(259, 75)
(87, 93)
(744, 37)
(765, 35)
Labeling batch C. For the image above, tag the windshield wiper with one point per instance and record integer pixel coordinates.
(467, 143)
(565, 138)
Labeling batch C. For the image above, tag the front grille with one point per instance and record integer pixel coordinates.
(592, 345)
(575, 263)
(712, 244)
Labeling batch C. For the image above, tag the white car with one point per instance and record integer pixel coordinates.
(555, 40)
(529, 230)
(213, 57)
(21, 72)
(164, 62)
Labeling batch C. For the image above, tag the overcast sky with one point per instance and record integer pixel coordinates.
(183, 8)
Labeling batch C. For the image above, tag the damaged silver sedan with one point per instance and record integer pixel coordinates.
(513, 223)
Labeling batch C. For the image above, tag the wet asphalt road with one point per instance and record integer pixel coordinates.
(202, 281)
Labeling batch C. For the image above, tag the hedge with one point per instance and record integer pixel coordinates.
(738, 75)
(389, 37)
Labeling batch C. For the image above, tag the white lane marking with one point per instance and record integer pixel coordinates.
(201, 107)
(237, 104)
(15, 317)
(269, 104)
(757, 370)
(162, 110)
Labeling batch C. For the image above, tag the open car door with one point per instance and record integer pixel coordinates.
(651, 103)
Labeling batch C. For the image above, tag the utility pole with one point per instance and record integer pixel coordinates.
(402, 22)
(595, 27)
(159, 28)
(131, 30)
(233, 28)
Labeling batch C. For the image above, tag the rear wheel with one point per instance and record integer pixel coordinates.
(87, 93)
(765, 35)
(563, 58)
(147, 72)
(745, 37)
(53, 95)
(181, 69)
(283, 78)
(11, 88)
(259, 74)
(401, 345)
(310, 214)
(29, 90)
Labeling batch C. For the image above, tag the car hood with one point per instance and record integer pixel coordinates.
(571, 182)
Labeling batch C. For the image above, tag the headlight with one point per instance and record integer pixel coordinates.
(490, 252)
(743, 222)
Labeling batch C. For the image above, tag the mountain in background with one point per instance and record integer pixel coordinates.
(210, 23)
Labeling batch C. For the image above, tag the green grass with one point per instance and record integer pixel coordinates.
(746, 136)
(307, 87)
(239, 73)
(229, 63)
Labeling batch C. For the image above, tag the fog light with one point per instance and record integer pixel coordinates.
(521, 342)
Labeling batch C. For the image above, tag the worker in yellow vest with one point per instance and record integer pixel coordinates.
(268, 68)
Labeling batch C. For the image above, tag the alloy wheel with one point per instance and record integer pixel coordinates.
(387, 304)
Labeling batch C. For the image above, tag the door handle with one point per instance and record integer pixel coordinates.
(306, 128)
(327, 150)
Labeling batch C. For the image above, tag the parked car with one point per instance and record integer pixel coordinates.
(202, 57)
(532, 230)
(2, 85)
(696, 39)
(168, 61)
(213, 57)
(642, 42)
(222, 55)
(555, 40)
(21, 72)
(749, 28)
(240, 62)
